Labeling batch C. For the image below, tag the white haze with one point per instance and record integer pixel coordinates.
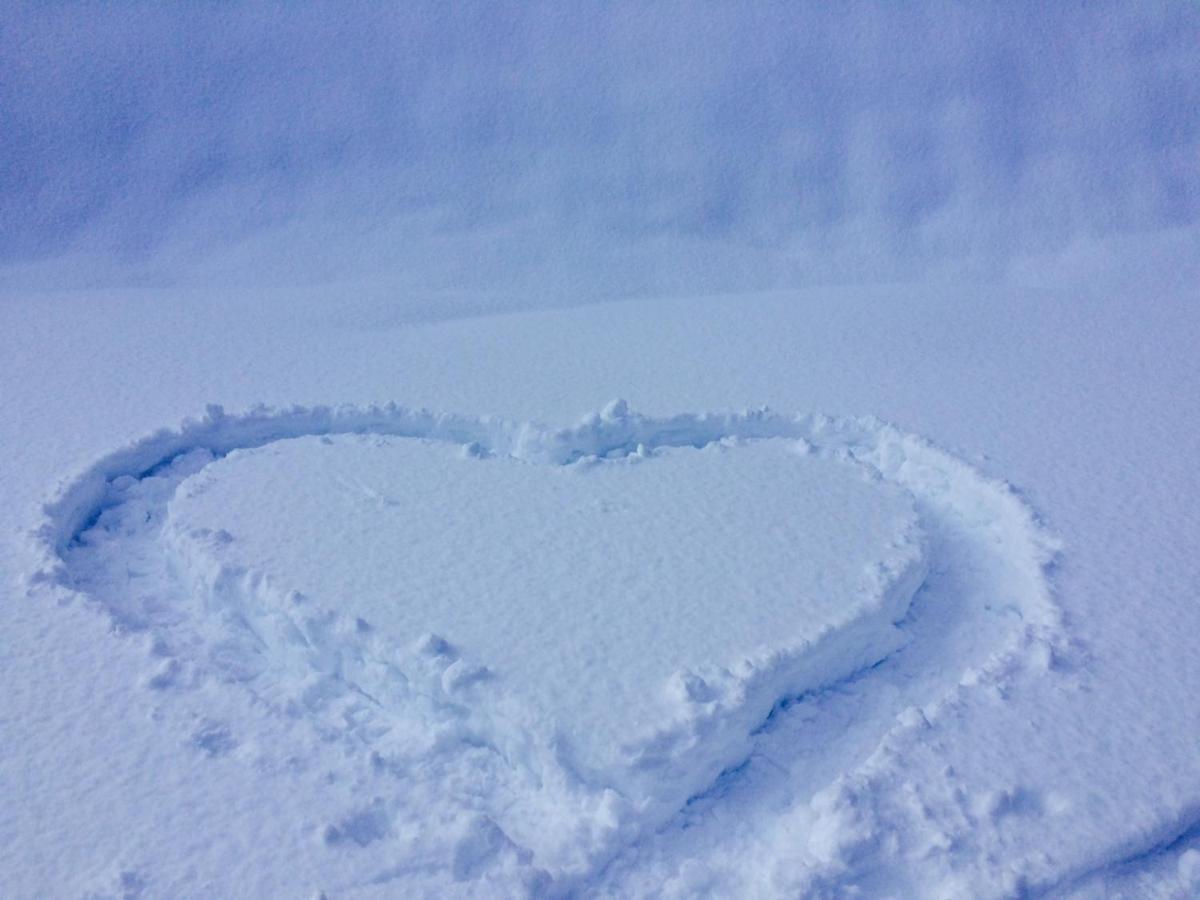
(521, 154)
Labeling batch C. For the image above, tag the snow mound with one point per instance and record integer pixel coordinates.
(632, 606)
(562, 635)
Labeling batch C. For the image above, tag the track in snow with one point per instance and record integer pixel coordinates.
(985, 602)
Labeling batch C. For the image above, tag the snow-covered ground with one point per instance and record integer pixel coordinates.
(175, 715)
(518, 553)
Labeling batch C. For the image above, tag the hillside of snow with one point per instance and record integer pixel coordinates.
(660, 452)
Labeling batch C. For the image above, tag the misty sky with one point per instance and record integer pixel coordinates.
(630, 147)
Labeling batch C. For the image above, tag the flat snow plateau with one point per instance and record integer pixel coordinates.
(372, 650)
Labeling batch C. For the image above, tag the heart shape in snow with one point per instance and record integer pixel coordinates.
(617, 600)
(590, 621)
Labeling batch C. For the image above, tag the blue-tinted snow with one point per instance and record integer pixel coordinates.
(979, 223)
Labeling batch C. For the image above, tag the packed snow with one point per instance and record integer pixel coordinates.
(617, 600)
(331, 567)
(615, 626)
(588, 626)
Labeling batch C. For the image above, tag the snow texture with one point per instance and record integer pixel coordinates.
(563, 776)
(322, 644)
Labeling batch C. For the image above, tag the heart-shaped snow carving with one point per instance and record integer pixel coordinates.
(617, 601)
(597, 617)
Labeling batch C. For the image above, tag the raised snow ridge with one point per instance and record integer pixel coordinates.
(554, 636)
(645, 612)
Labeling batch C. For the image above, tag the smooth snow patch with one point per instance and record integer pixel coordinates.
(618, 600)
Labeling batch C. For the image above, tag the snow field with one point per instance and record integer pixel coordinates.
(267, 574)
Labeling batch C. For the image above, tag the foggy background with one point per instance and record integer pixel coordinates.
(561, 152)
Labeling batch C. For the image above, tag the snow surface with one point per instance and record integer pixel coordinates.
(235, 243)
(593, 592)
(1000, 749)
(620, 624)
(304, 605)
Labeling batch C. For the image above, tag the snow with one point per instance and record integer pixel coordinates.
(597, 678)
(584, 590)
(317, 575)
(972, 756)
(962, 759)
(618, 612)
